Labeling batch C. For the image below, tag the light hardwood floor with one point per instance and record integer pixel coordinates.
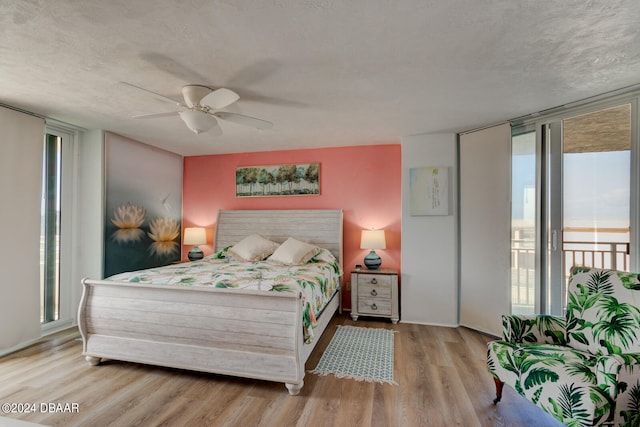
(441, 375)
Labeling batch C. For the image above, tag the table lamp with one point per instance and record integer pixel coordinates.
(372, 240)
(195, 236)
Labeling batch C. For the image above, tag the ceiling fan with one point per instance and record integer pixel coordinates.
(200, 109)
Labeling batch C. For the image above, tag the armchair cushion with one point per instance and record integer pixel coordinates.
(533, 329)
(559, 379)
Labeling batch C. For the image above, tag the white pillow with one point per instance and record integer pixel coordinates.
(294, 252)
(252, 248)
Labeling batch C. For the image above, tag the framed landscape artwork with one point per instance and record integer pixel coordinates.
(278, 180)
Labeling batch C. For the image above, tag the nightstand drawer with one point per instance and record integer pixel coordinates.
(379, 280)
(374, 291)
(374, 306)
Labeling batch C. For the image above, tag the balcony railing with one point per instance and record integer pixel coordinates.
(523, 272)
(614, 255)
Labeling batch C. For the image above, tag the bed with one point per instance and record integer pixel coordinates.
(249, 333)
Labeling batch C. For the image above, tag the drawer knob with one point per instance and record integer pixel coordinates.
(374, 281)
(374, 306)
(374, 293)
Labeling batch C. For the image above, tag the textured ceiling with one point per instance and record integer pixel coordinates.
(325, 72)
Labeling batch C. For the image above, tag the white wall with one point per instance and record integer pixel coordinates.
(429, 284)
(87, 254)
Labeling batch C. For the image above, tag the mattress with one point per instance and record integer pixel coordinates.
(317, 280)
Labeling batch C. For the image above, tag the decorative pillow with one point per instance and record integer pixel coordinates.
(294, 252)
(252, 248)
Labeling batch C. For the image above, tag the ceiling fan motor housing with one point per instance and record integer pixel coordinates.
(193, 94)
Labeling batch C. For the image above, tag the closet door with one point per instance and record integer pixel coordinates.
(20, 192)
(485, 220)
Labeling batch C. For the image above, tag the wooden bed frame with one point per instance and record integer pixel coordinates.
(232, 332)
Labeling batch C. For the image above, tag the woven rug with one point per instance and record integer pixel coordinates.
(363, 354)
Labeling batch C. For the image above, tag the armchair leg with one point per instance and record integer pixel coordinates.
(499, 385)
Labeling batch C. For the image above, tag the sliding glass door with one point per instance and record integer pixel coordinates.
(594, 224)
(572, 203)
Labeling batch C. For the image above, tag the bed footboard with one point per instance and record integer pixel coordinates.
(240, 333)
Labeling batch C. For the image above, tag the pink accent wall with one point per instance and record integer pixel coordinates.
(364, 181)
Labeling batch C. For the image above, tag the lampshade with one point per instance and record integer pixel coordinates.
(198, 121)
(195, 236)
(373, 239)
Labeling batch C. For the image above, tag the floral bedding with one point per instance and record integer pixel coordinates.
(317, 280)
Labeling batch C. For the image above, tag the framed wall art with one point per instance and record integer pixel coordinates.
(278, 180)
(143, 205)
(429, 190)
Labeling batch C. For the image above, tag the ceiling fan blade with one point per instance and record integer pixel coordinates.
(219, 98)
(155, 95)
(156, 115)
(244, 120)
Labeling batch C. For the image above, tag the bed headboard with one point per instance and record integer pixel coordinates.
(321, 227)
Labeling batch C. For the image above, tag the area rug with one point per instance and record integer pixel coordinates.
(363, 354)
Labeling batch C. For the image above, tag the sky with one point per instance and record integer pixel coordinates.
(595, 186)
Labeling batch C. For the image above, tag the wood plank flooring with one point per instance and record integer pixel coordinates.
(441, 372)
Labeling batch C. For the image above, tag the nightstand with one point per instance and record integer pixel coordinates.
(375, 293)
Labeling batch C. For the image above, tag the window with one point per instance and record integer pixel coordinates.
(55, 232)
(50, 230)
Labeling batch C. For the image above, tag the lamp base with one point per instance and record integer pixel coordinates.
(372, 261)
(195, 254)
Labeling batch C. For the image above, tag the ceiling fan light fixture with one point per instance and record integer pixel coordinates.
(197, 121)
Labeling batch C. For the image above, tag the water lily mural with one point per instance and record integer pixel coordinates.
(143, 204)
(164, 232)
(128, 218)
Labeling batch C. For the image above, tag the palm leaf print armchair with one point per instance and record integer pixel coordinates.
(584, 368)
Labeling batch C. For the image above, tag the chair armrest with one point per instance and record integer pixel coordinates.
(609, 367)
(534, 329)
